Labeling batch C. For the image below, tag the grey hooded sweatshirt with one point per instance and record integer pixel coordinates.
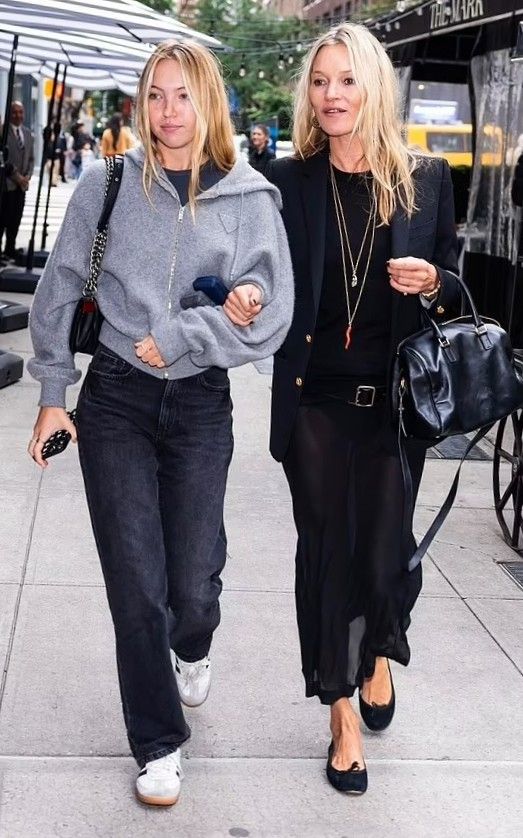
(155, 250)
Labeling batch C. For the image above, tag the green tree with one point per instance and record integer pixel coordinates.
(262, 54)
(159, 5)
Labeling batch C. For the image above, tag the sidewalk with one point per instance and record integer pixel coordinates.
(451, 763)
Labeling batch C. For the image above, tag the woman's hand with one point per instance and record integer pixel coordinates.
(243, 304)
(49, 420)
(147, 351)
(410, 275)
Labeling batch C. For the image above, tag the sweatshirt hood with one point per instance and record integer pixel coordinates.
(242, 179)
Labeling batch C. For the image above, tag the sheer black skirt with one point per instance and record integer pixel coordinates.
(354, 593)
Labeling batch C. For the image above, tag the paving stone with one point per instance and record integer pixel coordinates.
(17, 470)
(63, 551)
(61, 697)
(272, 798)
(473, 573)
(504, 620)
(16, 517)
(8, 595)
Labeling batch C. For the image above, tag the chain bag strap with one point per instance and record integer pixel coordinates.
(87, 318)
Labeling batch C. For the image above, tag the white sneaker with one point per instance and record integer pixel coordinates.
(158, 784)
(193, 679)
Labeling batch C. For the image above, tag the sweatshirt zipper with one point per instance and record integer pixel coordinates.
(173, 265)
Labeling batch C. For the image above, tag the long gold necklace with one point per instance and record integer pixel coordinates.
(345, 244)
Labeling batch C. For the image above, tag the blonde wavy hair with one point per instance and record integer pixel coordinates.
(213, 138)
(378, 123)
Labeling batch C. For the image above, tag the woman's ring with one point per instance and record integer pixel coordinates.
(34, 439)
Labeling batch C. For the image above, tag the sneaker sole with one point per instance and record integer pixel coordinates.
(199, 704)
(157, 801)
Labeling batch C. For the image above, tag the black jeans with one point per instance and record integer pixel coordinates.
(11, 213)
(154, 456)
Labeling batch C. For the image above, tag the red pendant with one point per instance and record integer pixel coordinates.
(348, 336)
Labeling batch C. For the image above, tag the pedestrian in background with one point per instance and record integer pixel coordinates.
(81, 140)
(260, 153)
(154, 414)
(20, 149)
(371, 231)
(117, 138)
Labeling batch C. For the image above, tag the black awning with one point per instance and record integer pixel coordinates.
(428, 20)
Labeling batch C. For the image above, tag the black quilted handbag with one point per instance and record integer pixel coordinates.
(87, 318)
(451, 378)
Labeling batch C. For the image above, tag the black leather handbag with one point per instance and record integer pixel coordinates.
(451, 378)
(87, 318)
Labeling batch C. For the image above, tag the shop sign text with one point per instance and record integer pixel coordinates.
(454, 11)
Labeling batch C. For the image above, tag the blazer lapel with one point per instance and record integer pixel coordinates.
(399, 230)
(314, 194)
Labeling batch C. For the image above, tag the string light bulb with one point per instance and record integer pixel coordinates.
(242, 71)
(261, 74)
(290, 59)
(299, 46)
(281, 61)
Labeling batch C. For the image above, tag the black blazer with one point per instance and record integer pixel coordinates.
(429, 234)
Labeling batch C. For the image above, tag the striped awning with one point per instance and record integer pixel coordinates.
(104, 44)
(124, 19)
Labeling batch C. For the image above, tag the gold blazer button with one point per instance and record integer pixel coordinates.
(440, 310)
(308, 338)
(299, 382)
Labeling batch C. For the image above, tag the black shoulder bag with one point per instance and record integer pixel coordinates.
(451, 378)
(87, 318)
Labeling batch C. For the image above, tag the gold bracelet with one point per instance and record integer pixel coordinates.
(431, 295)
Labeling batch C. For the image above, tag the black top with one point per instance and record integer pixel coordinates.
(260, 160)
(209, 176)
(331, 365)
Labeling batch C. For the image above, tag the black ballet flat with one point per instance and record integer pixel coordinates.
(378, 716)
(352, 781)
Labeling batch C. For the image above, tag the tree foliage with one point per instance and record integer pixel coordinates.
(159, 5)
(262, 55)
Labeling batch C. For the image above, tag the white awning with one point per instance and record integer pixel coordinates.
(125, 19)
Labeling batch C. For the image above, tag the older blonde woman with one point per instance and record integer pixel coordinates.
(154, 414)
(372, 239)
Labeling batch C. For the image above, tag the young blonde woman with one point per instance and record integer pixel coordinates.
(371, 232)
(154, 414)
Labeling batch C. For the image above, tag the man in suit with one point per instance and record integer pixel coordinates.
(20, 146)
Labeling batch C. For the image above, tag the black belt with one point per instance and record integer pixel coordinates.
(361, 395)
